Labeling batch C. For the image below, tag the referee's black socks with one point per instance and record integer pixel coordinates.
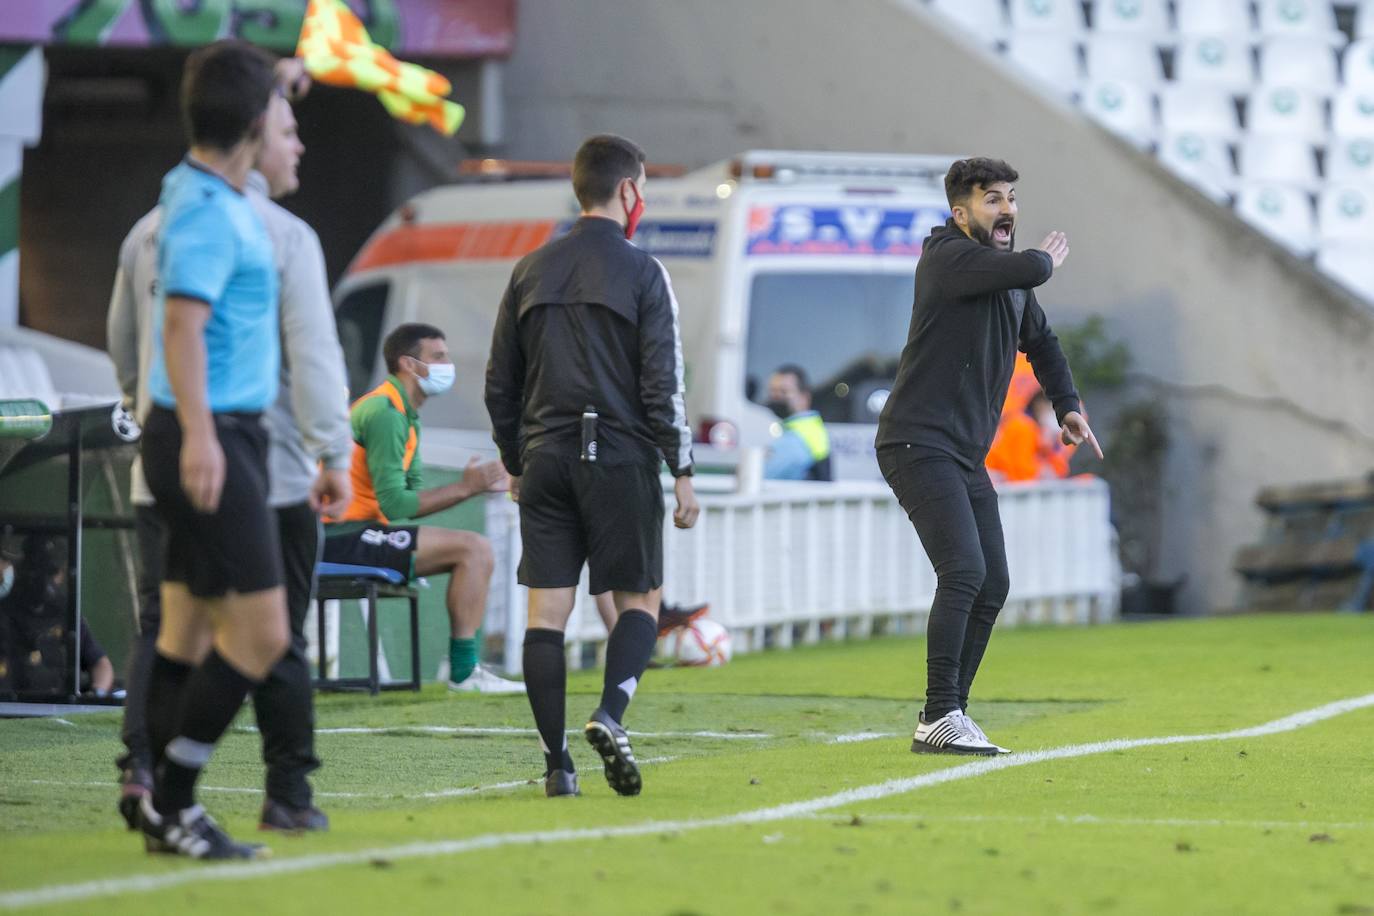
(546, 686)
(627, 655)
(163, 702)
(213, 696)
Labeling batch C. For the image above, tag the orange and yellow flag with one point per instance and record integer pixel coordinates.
(338, 52)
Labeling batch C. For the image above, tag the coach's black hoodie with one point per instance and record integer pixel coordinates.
(974, 308)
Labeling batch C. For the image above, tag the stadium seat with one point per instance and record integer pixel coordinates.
(1299, 61)
(369, 584)
(1215, 60)
(1346, 212)
(1352, 113)
(1364, 19)
(1147, 19)
(1351, 159)
(1281, 212)
(1287, 110)
(1312, 18)
(1124, 108)
(1349, 263)
(1203, 109)
(984, 20)
(1064, 17)
(1202, 160)
(1357, 64)
(1281, 160)
(1124, 57)
(1051, 59)
(1214, 17)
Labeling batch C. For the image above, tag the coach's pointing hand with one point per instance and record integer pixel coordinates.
(685, 516)
(1076, 431)
(1056, 245)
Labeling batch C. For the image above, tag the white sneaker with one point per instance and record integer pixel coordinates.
(977, 732)
(483, 681)
(949, 735)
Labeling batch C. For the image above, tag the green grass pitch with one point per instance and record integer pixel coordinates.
(433, 810)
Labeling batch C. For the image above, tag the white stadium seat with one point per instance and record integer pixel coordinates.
(1278, 160)
(1124, 57)
(1350, 160)
(1346, 211)
(1352, 112)
(1364, 19)
(1202, 160)
(1124, 108)
(1051, 59)
(984, 20)
(1314, 18)
(1204, 109)
(1357, 63)
(1287, 110)
(1062, 16)
(1142, 18)
(1350, 264)
(1215, 60)
(1218, 17)
(1297, 61)
(1283, 213)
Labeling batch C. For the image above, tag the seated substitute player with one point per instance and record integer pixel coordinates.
(386, 479)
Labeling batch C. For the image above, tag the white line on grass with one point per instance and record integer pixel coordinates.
(417, 796)
(861, 736)
(1094, 820)
(247, 871)
(508, 730)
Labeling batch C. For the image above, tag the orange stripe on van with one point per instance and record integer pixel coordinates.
(453, 242)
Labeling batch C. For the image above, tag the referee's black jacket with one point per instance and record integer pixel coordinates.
(974, 308)
(589, 320)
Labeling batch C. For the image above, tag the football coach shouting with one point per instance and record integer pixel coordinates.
(585, 391)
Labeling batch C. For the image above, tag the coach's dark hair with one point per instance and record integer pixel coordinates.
(601, 163)
(964, 174)
(225, 88)
(796, 372)
(405, 341)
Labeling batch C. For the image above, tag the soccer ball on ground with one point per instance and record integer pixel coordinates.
(697, 643)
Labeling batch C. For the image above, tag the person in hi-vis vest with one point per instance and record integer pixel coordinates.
(802, 449)
(386, 479)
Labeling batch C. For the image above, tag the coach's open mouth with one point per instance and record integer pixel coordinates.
(1001, 232)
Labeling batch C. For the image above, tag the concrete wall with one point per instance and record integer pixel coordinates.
(1263, 366)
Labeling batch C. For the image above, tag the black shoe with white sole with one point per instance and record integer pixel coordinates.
(560, 782)
(949, 735)
(134, 783)
(191, 833)
(613, 744)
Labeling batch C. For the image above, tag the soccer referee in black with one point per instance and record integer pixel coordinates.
(585, 391)
(975, 307)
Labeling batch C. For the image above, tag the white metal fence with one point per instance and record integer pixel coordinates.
(803, 562)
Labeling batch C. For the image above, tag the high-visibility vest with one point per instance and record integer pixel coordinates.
(810, 428)
(364, 507)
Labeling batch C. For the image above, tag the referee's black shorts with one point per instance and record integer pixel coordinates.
(236, 548)
(607, 516)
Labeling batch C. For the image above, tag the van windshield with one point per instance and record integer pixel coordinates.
(846, 330)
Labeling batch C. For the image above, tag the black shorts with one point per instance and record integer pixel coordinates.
(389, 546)
(609, 517)
(236, 548)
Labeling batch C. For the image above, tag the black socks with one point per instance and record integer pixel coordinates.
(213, 695)
(628, 652)
(164, 692)
(546, 687)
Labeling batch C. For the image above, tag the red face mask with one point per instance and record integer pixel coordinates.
(633, 214)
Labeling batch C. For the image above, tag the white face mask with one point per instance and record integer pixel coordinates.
(6, 581)
(439, 380)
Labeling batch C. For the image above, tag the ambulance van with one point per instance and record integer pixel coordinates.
(775, 257)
